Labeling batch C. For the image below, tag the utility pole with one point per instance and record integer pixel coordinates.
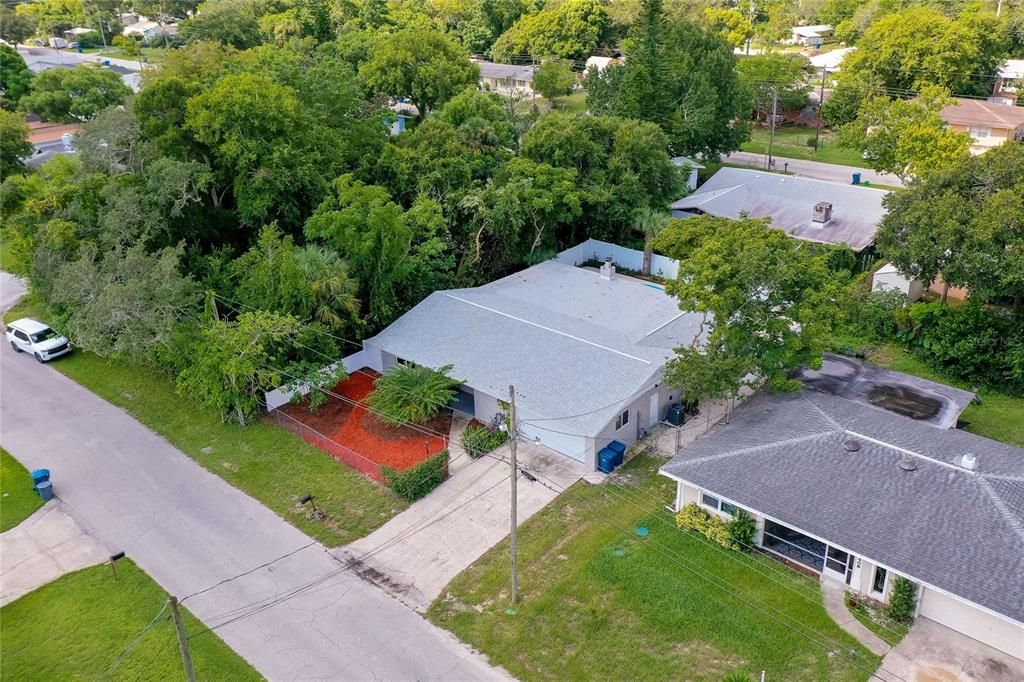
(186, 656)
(771, 139)
(821, 101)
(999, 7)
(750, 18)
(512, 436)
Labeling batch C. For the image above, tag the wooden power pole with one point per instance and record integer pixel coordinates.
(821, 101)
(512, 437)
(186, 655)
(771, 140)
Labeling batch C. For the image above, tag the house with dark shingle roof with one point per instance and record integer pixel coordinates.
(859, 478)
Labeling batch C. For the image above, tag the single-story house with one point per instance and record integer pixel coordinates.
(150, 30)
(806, 208)
(845, 487)
(693, 166)
(811, 36)
(506, 79)
(403, 113)
(601, 63)
(989, 124)
(585, 349)
(831, 60)
(1009, 82)
(889, 278)
(73, 34)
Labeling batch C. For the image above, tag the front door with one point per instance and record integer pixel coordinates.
(653, 416)
(838, 565)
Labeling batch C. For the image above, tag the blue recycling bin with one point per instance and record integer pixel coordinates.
(620, 452)
(606, 461)
(45, 490)
(856, 178)
(39, 476)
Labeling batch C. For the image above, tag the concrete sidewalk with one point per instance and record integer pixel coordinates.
(835, 605)
(815, 169)
(417, 553)
(42, 548)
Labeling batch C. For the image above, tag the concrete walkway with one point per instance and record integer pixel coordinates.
(416, 554)
(815, 169)
(288, 606)
(933, 653)
(835, 604)
(42, 548)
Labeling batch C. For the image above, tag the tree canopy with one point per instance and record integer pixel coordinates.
(14, 144)
(15, 77)
(73, 95)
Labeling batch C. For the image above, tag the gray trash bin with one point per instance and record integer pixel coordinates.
(45, 489)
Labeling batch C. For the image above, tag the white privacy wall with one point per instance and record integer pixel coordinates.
(620, 255)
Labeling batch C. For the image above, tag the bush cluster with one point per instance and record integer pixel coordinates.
(742, 530)
(416, 482)
(902, 600)
(692, 517)
(479, 440)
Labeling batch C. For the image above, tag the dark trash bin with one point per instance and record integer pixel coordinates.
(45, 490)
(606, 460)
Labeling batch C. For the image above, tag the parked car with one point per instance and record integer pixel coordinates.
(31, 336)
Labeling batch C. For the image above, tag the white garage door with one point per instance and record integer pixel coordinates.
(973, 622)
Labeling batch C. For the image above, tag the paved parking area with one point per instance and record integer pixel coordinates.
(42, 548)
(418, 552)
(933, 653)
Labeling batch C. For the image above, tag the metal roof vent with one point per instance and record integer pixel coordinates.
(851, 445)
(969, 461)
(608, 269)
(822, 212)
(908, 464)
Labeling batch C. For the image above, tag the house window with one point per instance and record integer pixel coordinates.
(878, 584)
(622, 420)
(709, 501)
(729, 509)
(978, 132)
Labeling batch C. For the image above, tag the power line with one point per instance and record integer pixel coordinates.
(106, 672)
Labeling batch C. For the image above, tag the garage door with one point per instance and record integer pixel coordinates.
(973, 622)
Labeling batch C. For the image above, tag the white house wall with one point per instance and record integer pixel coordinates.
(485, 406)
(633, 259)
(984, 627)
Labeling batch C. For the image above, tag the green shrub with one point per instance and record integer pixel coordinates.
(412, 393)
(477, 441)
(692, 517)
(742, 530)
(418, 481)
(902, 600)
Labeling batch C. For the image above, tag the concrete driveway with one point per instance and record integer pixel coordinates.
(933, 653)
(417, 553)
(301, 616)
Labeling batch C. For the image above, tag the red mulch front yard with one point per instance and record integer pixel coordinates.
(364, 435)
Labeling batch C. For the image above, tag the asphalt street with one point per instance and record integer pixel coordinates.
(301, 617)
(816, 169)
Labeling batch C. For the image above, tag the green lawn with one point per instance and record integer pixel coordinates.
(999, 415)
(265, 461)
(791, 142)
(600, 604)
(17, 499)
(76, 626)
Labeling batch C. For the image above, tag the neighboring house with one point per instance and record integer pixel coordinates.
(403, 114)
(585, 350)
(506, 79)
(989, 124)
(693, 166)
(150, 30)
(810, 36)
(73, 34)
(888, 278)
(601, 63)
(845, 487)
(808, 209)
(831, 60)
(1009, 82)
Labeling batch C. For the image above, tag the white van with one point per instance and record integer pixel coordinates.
(30, 336)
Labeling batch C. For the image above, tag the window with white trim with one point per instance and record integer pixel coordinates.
(622, 420)
(718, 505)
(979, 132)
(878, 582)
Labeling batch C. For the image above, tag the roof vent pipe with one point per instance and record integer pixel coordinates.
(608, 269)
(908, 464)
(969, 461)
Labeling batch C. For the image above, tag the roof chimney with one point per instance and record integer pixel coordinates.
(608, 269)
(822, 212)
(969, 461)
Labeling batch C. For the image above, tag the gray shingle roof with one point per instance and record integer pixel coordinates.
(963, 532)
(789, 202)
(517, 72)
(570, 341)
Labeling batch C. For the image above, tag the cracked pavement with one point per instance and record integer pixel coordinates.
(189, 529)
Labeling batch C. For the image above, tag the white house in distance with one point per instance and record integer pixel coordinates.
(810, 36)
(1009, 82)
(601, 63)
(692, 170)
(506, 79)
(585, 348)
(806, 208)
(989, 124)
(830, 61)
(859, 478)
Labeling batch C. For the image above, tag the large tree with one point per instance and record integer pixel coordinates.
(74, 95)
(965, 223)
(906, 137)
(570, 30)
(768, 302)
(910, 49)
(422, 64)
(775, 80)
(680, 77)
(230, 22)
(15, 77)
(14, 144)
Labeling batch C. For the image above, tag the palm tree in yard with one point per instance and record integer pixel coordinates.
(332, 288)
(649, 222)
